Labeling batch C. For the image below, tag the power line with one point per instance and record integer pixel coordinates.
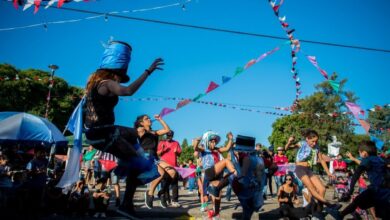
(221, 30)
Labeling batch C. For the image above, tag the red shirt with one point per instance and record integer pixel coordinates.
(280, 160)
(192, 166)
(339, 165)
(167, 149)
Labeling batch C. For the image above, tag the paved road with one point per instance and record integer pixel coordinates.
(190, 208)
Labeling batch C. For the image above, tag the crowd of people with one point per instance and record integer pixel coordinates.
(142, 156)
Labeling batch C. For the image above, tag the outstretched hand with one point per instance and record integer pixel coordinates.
(157, 63)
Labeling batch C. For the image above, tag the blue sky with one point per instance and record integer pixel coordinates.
(195, 57)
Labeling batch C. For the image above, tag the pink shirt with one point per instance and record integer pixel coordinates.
(280, 160)
(167, 149)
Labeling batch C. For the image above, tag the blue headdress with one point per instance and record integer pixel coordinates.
(117, 57)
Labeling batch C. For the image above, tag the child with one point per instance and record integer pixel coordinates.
(378, 192)
(101, 198)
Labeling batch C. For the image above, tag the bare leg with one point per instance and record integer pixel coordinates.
(312, 189)
(156, 181)
(218, 167)
(318, 185)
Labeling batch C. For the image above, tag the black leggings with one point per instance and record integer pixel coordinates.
(371, 197)
(117, 140)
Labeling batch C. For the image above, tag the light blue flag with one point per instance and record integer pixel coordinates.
(72, 169)
(378, 143)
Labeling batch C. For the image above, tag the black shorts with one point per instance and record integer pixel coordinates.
(302, 171)
(209, 174)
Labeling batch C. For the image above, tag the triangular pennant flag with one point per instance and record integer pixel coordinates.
(198, 97)
(238, 71)
(28, 4)
(250, 63)
(50, 3)
(365, 125)
(60, 3)
(355, 109)
(335, 85)
(166, 111)
(16, 4)
(182, 103)
(225, 79)
(37, 3)
(185, 172)
(211, 87)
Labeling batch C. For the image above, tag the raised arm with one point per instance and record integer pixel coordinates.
(113, 87)
(195, 144)
(229, 144)
(165, 128)
(290, 143)
(354, 159)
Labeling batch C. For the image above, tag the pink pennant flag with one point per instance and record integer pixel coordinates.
(211, 87)
(60, 3)
(250, 63)
(313, 61)
(182, 103)
(166, 111)
(365, 125)
(185, 172)
(355, 109)
(37, 3)
(16, 4)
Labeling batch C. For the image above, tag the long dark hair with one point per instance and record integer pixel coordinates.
(292, 178)
(309, 133)
(138, 121)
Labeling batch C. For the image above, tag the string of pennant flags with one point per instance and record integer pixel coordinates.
(45, 25)
(225, 79)
(295, 47)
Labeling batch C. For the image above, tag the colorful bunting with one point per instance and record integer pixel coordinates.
(198, 97)
(182, 103)
(225, 79)
(313, 61)
(166, 111)
(238, 71)
(365, 125)
(211, 87)
(335, 85)
(355, 109)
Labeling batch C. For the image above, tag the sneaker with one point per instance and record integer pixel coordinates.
(210, 214)
(203, 207)
(128, 213)
(163, 202)
(117, 202)
(148, 200)
(97, 215)
(175, 205)
(103, 215)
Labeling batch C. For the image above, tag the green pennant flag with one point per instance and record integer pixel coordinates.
(198, 97)
(239, 70)
(335, 85)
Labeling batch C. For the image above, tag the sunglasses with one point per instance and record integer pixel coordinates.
(289, 179)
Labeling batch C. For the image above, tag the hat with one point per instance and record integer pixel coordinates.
(245, 143)
(280, 149)
(117, 57)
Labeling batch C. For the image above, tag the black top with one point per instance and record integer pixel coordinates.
(290, 196)
(149, 142)
(99, 109)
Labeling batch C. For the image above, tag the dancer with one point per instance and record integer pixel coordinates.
(149, 141)
(102, 95)
(308, 155)
(213, 165)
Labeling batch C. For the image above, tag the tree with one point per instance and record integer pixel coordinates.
(322, 111)
(26, 91)
(187, 152)
(379, 120)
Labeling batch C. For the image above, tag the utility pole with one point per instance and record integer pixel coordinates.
(53, 68)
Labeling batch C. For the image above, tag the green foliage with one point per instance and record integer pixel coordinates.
(321, 111)
(187, 152)
(380, 124)
(28, 94)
